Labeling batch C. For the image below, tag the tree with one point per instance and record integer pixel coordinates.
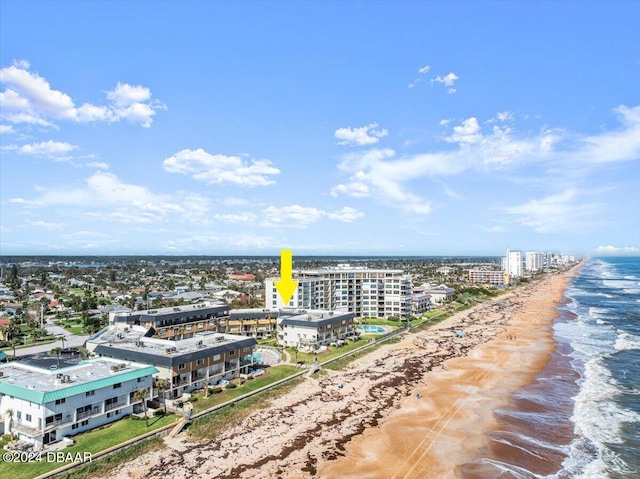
(141, 395)
(57, 352)
(10, 414)
(63, 339)
(161, 386)
(14, 343)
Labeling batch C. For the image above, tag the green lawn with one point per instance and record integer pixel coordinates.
(92, 441)
(332, 353)
(274, 373)
(77, 291)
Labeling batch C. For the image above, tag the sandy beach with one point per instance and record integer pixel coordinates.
(374, 426)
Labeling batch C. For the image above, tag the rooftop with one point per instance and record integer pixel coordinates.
(175, 311)
(44, 385)
(314, 318)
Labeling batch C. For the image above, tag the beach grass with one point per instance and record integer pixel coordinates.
(273, 374)
(214, 424)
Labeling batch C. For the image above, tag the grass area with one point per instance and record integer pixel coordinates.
(212, 425)
(91, 441)
(77, 292)
(274, 373)
(332, 353)
(267, 342)
(104, 465)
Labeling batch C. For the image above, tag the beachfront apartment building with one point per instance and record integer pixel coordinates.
(513, 264)
(533, 261)
(253, 322)
(173, 323)
(42, 406)
(183, 365)
(420, 303)
(482, 276)
(313, 329)
(378, 293)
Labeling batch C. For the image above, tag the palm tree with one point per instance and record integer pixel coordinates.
(57, 352)
(63, 339)
(14, 343)
(35, 334)
(161, 386)
(141, 395)
(10, 414)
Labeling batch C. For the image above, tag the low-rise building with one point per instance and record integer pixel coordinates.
(420, 303)
(43, 405)
(177, 322)
(488, 277)
(310, 330)
(439, 294)
(184, 365)
(254, 322)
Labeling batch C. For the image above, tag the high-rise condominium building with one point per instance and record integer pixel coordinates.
(378, 293)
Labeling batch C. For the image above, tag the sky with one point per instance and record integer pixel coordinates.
(328, 128)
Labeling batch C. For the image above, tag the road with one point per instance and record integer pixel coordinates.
(70, 341)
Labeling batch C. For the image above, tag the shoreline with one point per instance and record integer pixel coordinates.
(438, 434)
(360, 430)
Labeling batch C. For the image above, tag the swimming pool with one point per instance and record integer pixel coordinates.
(368, 328)
(257, 358)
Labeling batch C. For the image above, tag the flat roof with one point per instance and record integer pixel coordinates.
(152, 315)
(314, 318)
(39, 385)
(133, 346)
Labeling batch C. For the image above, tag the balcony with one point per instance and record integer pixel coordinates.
(85, 414)
(26, 430)
(68, 418)
(114, 405)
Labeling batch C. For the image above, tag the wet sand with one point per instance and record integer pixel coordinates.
(374, 427)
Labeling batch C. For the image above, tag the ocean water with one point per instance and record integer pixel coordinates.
(580, 418)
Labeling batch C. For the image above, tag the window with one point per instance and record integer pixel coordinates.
(140, 380)
(28, 417)
(117, 385)
(216, 357)
(232, 352)
(85, 422)
(108, 414)
(75, 426)
(90, 393)
(199, 362)
(60, 401)
(182, 366)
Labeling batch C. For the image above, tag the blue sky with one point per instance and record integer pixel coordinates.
(417, 128)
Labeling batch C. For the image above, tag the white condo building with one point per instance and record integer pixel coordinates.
(42, 406)
(513, 263)
(533, 261)
(378, 293)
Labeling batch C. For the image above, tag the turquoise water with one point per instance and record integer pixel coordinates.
(368, 328)
(257, 358)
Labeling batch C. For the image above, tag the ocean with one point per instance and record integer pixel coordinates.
(580, 418)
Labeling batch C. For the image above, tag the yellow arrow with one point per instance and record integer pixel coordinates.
(286, 286)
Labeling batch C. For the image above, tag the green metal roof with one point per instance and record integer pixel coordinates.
(2, 355)
(43, 397)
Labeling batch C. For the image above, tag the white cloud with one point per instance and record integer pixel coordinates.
(445, 122)
(232, 201)
(55, 150)
(421, 71)
(354, 189)
(381, 173)
(100, 165)
(244, 218)
(564, 211)
(104, 196)
(617, 250)
(468, 132)
(29, 98)
(45, 225)
(7, 130)
(504, 116)
(346, 214)
(364, 135)
(296, 216)
(447, 80)
(220, 169)
(618, 145)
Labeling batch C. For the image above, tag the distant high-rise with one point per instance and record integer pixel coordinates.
(533, 261)
(513, 263)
